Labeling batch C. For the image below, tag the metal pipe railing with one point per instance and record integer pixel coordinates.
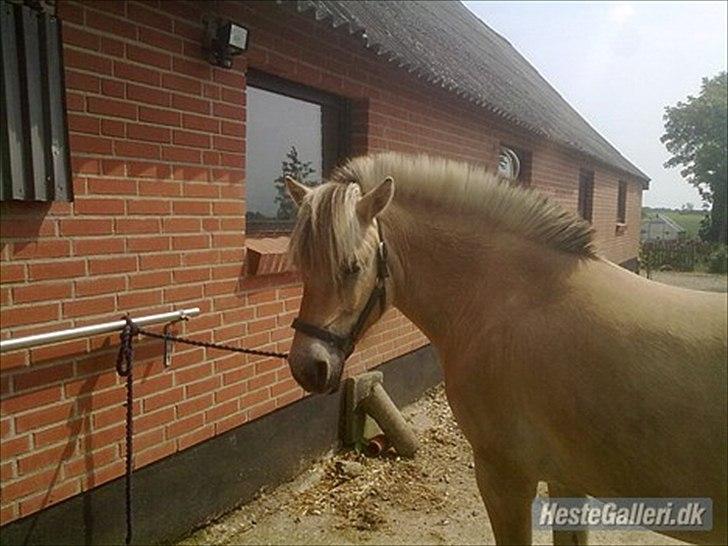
(84, 331)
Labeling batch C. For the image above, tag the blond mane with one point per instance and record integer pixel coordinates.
(327, 219)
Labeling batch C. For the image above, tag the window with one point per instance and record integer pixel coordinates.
(292, 130)
(34, 155)
(515, 164)
(508, 164)
(622, 202)
(586, 194)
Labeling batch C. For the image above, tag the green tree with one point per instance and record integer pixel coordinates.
(696, 134)
(299, 170)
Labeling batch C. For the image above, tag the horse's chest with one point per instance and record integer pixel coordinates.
(480, 408)
(490, 413)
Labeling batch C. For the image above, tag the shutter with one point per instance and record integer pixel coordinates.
(34, 147)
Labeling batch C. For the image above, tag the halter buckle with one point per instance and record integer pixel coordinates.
(382, 269)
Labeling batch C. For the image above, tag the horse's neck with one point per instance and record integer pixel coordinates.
(449, 279)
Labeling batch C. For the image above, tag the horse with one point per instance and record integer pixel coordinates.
(559, 365)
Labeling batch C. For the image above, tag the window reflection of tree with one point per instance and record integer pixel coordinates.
(299, 170)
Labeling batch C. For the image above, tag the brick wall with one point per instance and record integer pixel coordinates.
(157, 141)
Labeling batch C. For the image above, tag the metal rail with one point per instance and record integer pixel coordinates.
(84, 331)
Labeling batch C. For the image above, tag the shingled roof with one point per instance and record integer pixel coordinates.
(446, 45)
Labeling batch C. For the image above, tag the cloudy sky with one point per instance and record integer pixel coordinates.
(619, 64)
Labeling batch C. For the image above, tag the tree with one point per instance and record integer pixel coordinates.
(696, 134)
(291, 166)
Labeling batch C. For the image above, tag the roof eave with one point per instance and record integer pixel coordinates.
(432, 78)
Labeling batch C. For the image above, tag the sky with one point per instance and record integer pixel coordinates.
(619, 64)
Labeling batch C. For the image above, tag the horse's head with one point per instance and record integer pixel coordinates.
(336, 247)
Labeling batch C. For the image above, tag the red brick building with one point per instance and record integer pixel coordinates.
(169, 156)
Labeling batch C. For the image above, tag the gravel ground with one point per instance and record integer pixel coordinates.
(710, 282)
(350, 499)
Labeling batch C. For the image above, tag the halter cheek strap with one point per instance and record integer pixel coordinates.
(379, 293)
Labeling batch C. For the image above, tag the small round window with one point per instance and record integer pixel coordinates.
(508, 164)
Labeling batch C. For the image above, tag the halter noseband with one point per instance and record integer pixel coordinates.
(346, 343)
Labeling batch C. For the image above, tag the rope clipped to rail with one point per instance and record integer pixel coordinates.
(125, 368)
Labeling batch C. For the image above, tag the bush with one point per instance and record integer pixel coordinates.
(718, 260)
(675, 255)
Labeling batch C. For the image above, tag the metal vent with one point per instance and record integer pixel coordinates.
(34, 148)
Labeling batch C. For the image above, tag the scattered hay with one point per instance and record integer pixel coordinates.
(349, 493)
(354, 488)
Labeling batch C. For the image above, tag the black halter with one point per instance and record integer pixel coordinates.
(346, 343)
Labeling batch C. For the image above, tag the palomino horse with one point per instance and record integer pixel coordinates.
(559, 365)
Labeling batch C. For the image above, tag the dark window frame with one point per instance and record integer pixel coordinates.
(585, 202)
(622, 202)
(335, 132)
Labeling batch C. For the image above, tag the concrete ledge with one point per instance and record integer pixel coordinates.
(185, 490)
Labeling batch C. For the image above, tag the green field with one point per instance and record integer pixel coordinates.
(689, 220)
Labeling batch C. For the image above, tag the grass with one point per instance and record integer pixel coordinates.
(690, 220)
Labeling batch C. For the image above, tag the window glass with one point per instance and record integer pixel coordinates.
(284, 136)
(622, 202)
(586, 194)
(509, 165)
(515, 164)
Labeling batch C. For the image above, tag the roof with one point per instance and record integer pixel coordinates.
(447, 45)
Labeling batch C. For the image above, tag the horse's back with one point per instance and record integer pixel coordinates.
(661, 395)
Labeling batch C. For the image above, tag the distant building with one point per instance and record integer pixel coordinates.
(661, 228)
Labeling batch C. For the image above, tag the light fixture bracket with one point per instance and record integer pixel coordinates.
(224, 39)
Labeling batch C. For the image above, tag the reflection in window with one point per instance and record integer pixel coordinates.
(515, 165)
(508, 164)
(284, 136)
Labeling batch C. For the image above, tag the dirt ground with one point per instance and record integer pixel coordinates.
(351, 499)
(347, 498)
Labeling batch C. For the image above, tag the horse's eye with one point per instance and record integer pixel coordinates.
(352, 269)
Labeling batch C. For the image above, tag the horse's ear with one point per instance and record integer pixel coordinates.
(296, 190)
(375, 201)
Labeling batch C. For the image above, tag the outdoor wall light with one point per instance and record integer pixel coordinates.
(224, 40)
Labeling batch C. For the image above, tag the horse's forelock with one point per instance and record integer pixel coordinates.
(327, 233)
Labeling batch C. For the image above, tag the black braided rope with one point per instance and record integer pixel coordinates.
(125, 368)
(211, 345)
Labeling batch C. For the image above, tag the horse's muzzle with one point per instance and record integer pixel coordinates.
(316, 367)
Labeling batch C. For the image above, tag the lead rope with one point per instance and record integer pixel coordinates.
(125, 368)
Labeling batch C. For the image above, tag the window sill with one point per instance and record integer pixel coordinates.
(620, 228)
(267, 256)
